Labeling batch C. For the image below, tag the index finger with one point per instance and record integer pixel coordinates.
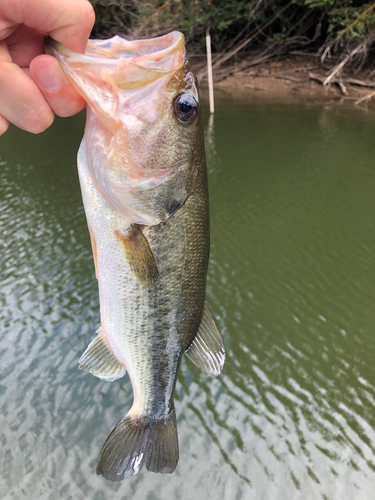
(69, 22)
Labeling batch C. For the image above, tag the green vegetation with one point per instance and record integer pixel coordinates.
(326, 25)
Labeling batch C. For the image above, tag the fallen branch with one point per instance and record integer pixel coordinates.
(360, 48)
(368, 96)
(342, 82)
(360, 83)
(253, 35)
(321, 79)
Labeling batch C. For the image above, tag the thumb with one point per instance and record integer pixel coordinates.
(56, 89)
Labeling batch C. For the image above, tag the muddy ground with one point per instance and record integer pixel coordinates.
(292, 75)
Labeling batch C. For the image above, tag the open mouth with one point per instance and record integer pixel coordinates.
(131, 64)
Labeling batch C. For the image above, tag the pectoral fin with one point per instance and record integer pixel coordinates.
(207, 349)
(139, 255)
(99, 360)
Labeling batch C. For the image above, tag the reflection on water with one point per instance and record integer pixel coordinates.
(291, 283)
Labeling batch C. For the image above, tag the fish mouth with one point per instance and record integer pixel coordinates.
(131, 64)
(117, 47)
(118, 77)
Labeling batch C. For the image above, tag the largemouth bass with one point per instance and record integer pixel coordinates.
(143, 178)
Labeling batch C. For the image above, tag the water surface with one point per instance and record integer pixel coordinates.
(291, 284)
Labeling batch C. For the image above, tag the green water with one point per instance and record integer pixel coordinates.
(291, 283)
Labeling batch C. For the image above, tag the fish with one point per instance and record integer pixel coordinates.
(143, 178)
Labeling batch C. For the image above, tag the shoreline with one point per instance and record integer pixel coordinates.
(295, 76)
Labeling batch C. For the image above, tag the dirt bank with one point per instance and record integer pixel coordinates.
(293, 74)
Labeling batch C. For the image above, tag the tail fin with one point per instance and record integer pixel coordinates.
(135, 442)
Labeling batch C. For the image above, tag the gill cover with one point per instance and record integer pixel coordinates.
(140, 157)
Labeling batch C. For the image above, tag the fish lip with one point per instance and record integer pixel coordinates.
(95, 50)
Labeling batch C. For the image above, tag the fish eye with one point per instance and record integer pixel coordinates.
(185, 108)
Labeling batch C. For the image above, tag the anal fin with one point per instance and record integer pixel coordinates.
(207, 349)
(99, 360)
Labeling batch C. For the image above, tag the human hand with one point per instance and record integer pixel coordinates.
(33, 87)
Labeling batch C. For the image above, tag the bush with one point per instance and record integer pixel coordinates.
(313, 22)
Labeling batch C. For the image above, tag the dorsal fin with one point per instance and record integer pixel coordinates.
(99, 360)
(139, 255)
(207, 349)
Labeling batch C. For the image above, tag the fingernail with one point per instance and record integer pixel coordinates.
(49, 78)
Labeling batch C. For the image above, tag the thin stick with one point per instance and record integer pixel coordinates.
(209, 69)
(342, 64)
(245, 42)
(360, 47)
(368, 96)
